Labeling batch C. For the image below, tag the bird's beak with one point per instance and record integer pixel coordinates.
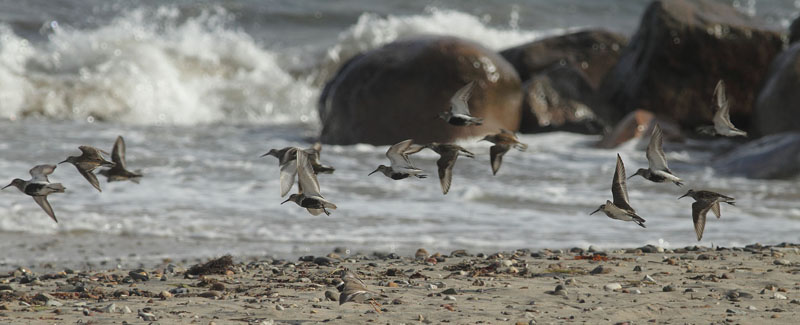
(264, 155)
(632, 176)
(4, 187)
(287, 200)
(595, 211)
(682, 196)
(373, 172)
(62, 162)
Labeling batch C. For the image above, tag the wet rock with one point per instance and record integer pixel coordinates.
(612, 287)
(324, 261)
(306, 258)
(771, 157)
(778, 103)
(395, 92)
(680, 51)
(139, 275)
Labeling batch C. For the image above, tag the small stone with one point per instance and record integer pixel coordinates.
(431, 287)
(331, 295)
(126, 310)
(752, 308)
(306, 258)
(612, 286)
(217, 286)
(637, 268)
(779, 296)
(648, 278)
(668, 288)
(147, 317)
(211, 294)
(421, 254)
(727, 276)
(449, 291)
(163, 277)
(393, 285)
(165, 294)
(139, 275)
(636, 291)
(736, 312)
(397, 301)
(782, 262)
(178, 291)
(53, 303)
(458, 253)
(601, 270)
(279, 307)
(420, 318)
(690, 290)
(109, 308)
(334, 256)
(324, 261)
(450, 298)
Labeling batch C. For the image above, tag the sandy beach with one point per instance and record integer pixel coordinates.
(752, 284)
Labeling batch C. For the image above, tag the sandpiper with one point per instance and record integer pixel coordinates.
(621, 208)
(309, 196)
(39, 187)
(351, 288)
(286, 162)
(705, 201)
(658, 171)
(503, 142)
(87, 162)
(458, 114)
(120, 172)
(313, 154)
(722, 119)
(448, 154)
(400, 166)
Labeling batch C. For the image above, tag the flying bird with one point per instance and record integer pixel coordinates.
(39, 187)
(722, 119)
(705, 201)
(288, 168)
(621, 208)
(400, 166)
(448, 154)
(120, 172)
(89, 159)
(503, 142)
(308, 195)
(658, 171)
(458, 114)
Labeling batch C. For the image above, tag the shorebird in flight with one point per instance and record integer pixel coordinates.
(705, 201)
(89, 159)
(458, 114)
(621, 208)
(658, 171)
(120, 172)
(722, 119)
(39, 187)
(288, 166)
(448, 154)
(308, 196)
(400, 166)
(503, 142)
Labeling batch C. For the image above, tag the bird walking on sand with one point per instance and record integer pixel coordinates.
(351, 288)
(722, 119)
(308, 196)
(658, 170)
(89, 159)
(705, 201)
(120, 172)
(503, 142)
(458, 114)
(400, 166)
(621, 208)
(39, 187)
(448, 154)
(286, 161)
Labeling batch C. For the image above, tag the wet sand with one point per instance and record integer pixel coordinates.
(752, 284)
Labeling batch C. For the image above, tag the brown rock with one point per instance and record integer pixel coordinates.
(421, 254)
(395, 93)
(680, 51)
(778, 104)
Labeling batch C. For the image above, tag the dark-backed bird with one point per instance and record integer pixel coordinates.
(448, 154)
(658, 171)
(705, 201)
(288, 167)
(722, 119)
(458, 114)
(400, 166)
(89, 159)
(503, 142)
(351, 288)
(621, 208)
(308, 195)
(39, 187)
(120, 171)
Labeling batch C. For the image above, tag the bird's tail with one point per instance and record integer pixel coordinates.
(421, 175)
(639, 221)
(56, 187)
(477, 120)
(520, 146)
(679, 183)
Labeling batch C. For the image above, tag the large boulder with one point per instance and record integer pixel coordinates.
(680, 51)
(771, 157)
(592, 52)
(396, 92)
(777, 107)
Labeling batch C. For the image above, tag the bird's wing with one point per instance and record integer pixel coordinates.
(305, 175)
(413, 148)
(655, 152)
(618, 188)
(288, 173)
(118, 152)
(496, 153)
(722, 118)
(317, 146)
(39, 173)
(446, 163)
(715, 209)
(90, 177)
(397, 154)
(352, 289)
(41, 200)
(699, 210)
(458, 102)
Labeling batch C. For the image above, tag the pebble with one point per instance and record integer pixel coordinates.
(612, 286)
(449, 291)
(148, 317)
(178, 291)
(211, 294)
(165, 294)
(752, 308)
(397, 301)
(126, 310)
(668, 288)
(736, 312)
(690, 290)
(458, 253)
(637, 268)
(648, 278)
(779, 296)
(431, 287)
(279, 307)
(450, 298)
(421, 254)
(601, 270)
(324, 261)
(139, 275)
(636, 291)
(109, 308)
(782, 262)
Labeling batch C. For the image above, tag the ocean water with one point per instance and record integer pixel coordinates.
(201, 89)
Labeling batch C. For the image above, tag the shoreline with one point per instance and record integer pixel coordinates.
(696, 284)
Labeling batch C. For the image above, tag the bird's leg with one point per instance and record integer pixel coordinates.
(372, 303)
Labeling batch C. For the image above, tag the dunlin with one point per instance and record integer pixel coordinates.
(313, 154)
(705, 201)
(87, 162)
(722, 119)
(286, 162)
(503, 142)
(400, 166)
(621, 208)
(458, 114)
(39, 187)
(658, 171)
(120, 172)
(448, 154)
(309, 196)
